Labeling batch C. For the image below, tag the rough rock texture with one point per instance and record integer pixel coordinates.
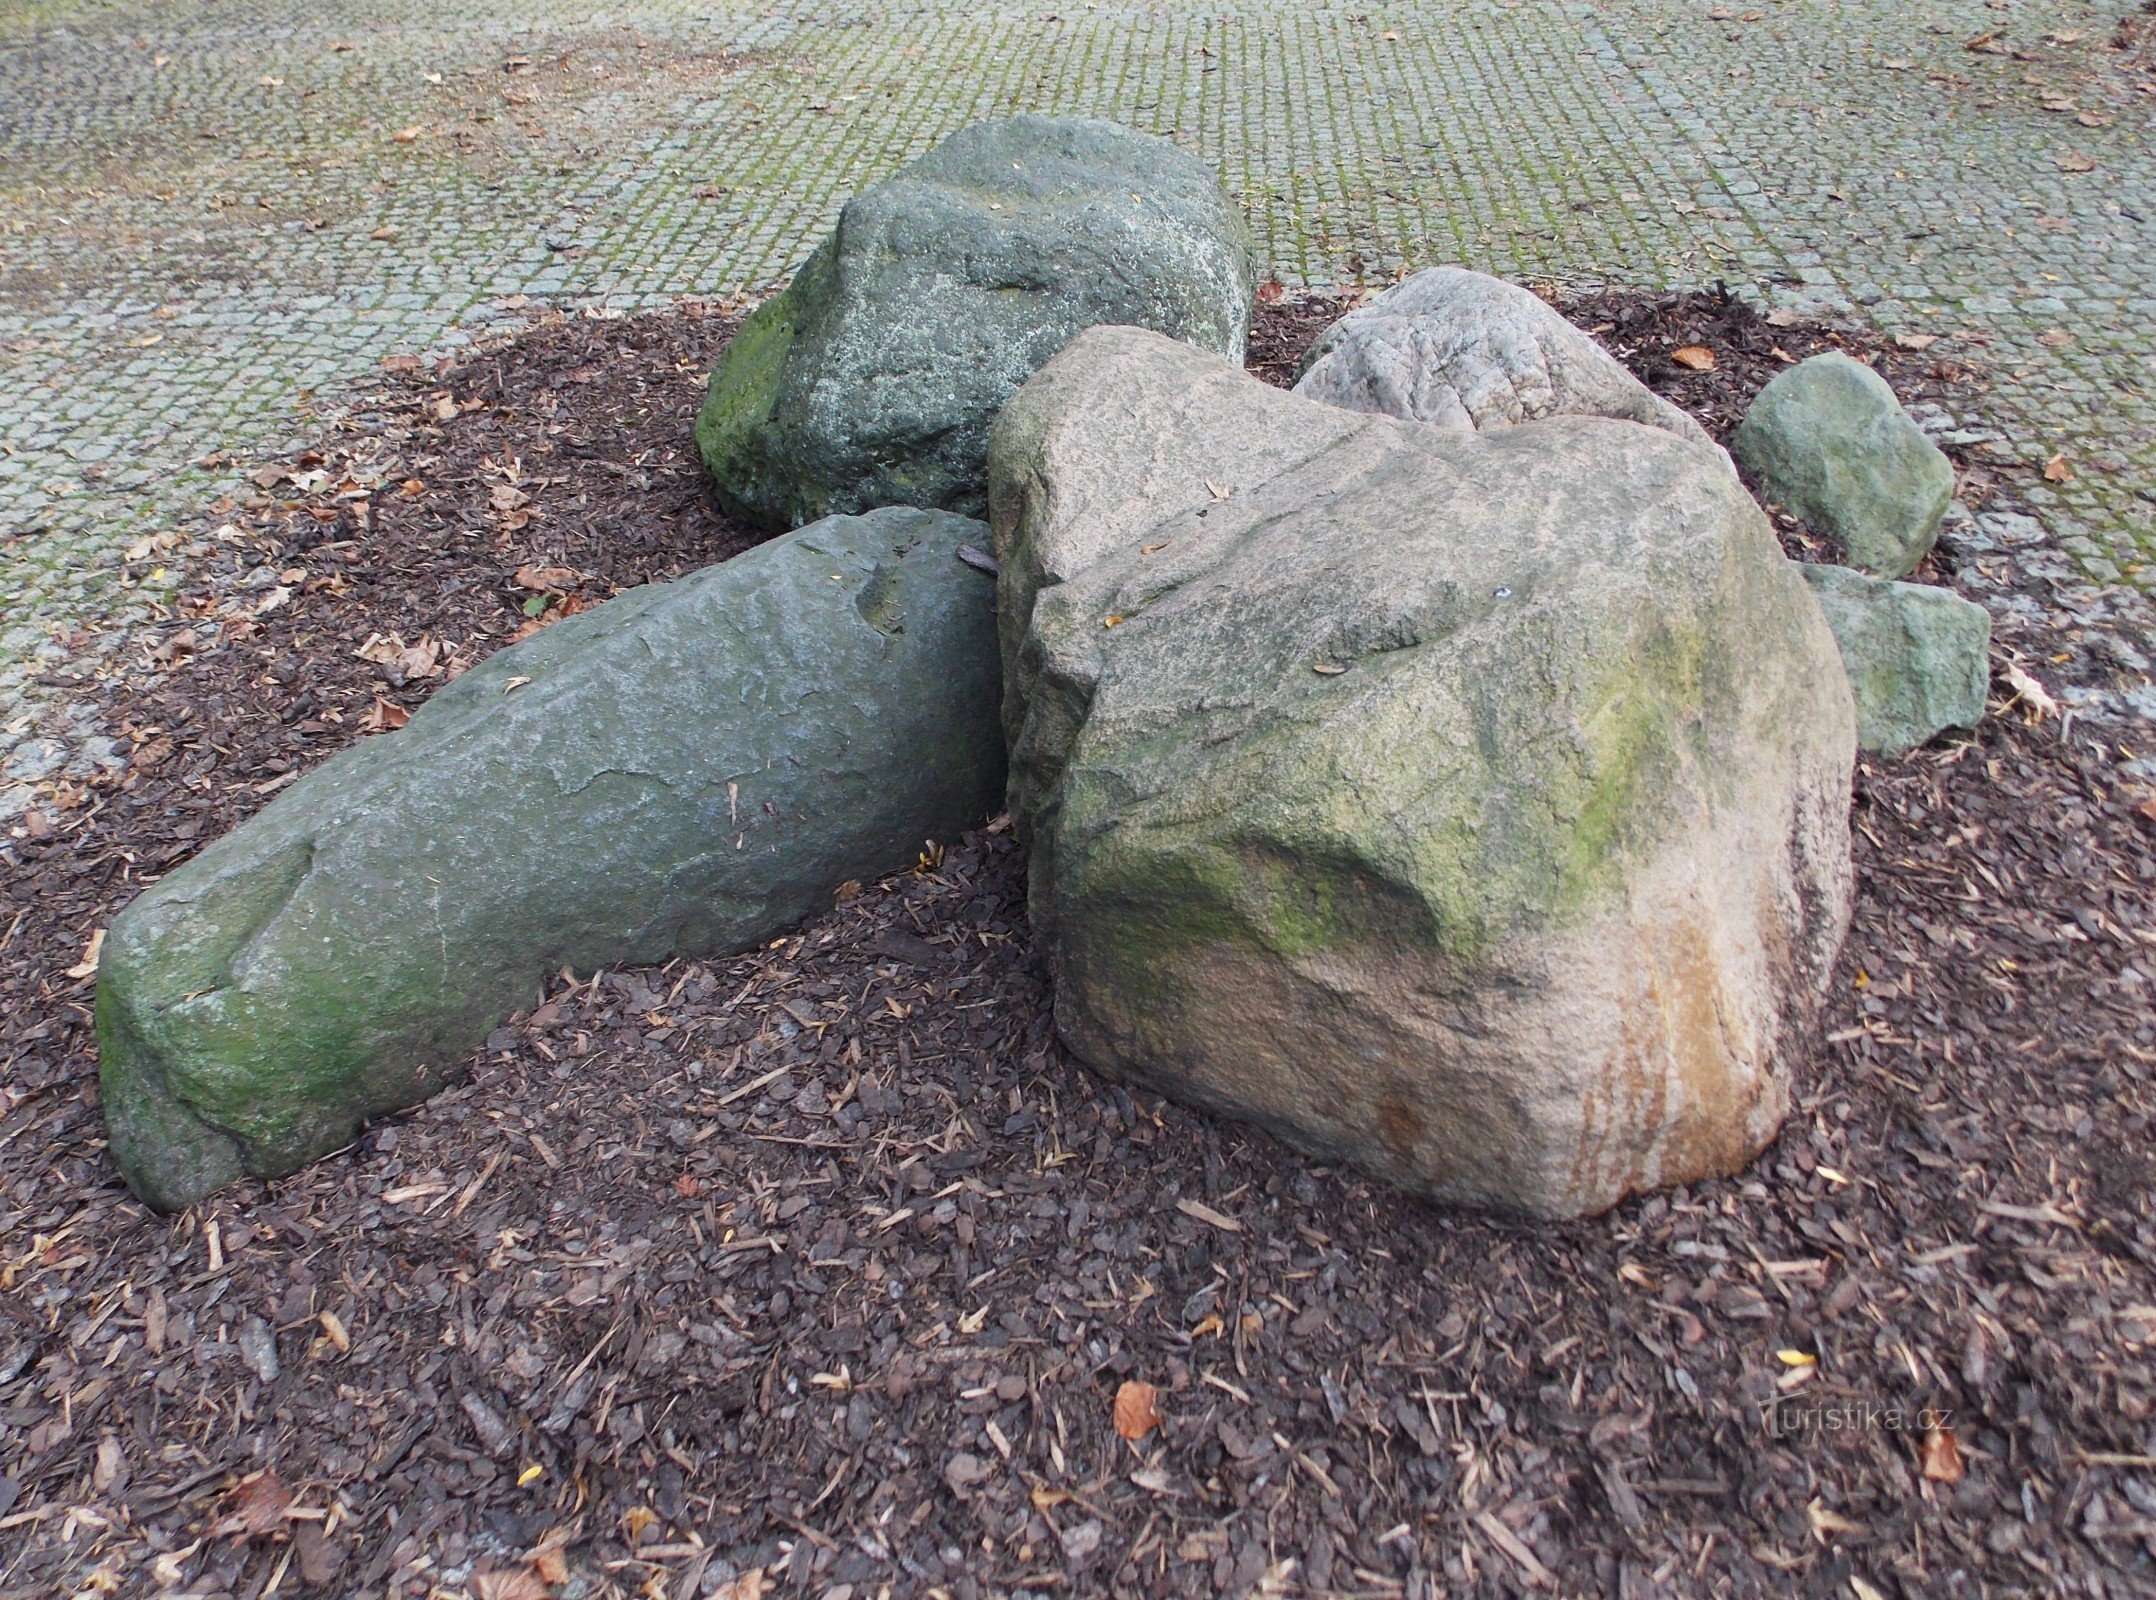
(872, 380)
(1918, 657)
(1469, 352)
(1469, 806)
(1828, 440)
(686, 768)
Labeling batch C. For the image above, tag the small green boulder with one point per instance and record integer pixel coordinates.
(681, 771)
(1828, 440)
(873, 378)
(1918, 657)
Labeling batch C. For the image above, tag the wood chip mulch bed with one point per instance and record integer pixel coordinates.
(818, 1270)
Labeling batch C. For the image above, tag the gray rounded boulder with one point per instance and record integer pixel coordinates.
(873, 378)
(1466, 351)
(1828, 440)
(683, 770)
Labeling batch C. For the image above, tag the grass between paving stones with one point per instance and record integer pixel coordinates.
(822, 1262)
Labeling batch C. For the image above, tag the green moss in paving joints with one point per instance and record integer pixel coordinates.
(1475, 134)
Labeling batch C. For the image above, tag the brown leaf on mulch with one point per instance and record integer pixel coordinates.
(257, 1508)
(1940, 1455)
(1136, 1415)
(509, 1583)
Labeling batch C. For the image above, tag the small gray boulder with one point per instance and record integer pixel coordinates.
(1470, 352)
(1828, 440)
(1918, 656)
(683, 770)
(873, 378)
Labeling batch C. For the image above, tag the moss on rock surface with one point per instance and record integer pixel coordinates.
(873, 378)
(1469, 806)
(683, 770)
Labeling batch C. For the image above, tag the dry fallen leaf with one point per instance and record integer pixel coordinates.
(407, 135)
(547, 1562)
(2030, 693)
(2056, 470)
(87, 966)
(167, 1570)
(1696, 356)
(749, 1586)
(257, 1508)
(421, 660)
(511, 1583)
(1135, 1413)
(1941, 1455)
(1825, 1522)
(2073, 161)
(547, 580)
(2147, 808)
(1916, 341)
(2057, 338)
(385, 717)
(1269, 291)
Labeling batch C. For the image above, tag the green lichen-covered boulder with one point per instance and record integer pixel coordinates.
(683, 770)
(1828, 440)
(1469, 806)
(873, 378)
(1918, 657)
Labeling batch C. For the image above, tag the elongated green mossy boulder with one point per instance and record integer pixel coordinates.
(683, 770)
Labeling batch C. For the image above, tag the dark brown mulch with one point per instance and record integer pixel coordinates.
(816, 1270)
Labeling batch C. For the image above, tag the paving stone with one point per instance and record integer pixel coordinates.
(217, 215)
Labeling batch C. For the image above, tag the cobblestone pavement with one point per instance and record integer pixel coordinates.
(212, 216)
